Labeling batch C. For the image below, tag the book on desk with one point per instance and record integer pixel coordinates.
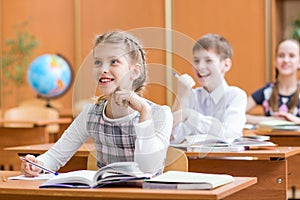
(280, 125)
(114, 173)
(204, 143)
(187, 181)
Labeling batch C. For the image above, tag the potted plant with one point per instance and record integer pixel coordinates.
(15, 60)
(295, 33)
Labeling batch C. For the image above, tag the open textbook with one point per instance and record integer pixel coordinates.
(111, 174)
(187, 181)
(205, 143)
(278, 125)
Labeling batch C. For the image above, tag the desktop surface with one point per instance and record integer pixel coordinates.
(24, 189)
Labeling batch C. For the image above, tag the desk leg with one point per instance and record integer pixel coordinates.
(55, 136)
(294, 173)
(43, 133)
(271, 174)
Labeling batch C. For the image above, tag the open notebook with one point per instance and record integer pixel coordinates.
(114, 173)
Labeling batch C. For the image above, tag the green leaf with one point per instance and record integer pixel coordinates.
(15, 60)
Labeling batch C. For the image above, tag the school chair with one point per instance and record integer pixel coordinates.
(92, 160)
(26, 125)
(31, 113)
(176, 160)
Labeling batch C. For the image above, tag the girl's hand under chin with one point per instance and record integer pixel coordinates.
(128, 98)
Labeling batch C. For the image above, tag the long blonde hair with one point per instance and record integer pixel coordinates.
(273, 101)
(136, 53)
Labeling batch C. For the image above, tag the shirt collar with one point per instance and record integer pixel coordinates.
(118, 120)
(216, 94)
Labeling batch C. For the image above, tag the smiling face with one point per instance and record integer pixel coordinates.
(112, 67)
(287, 58)
(119, 61)
(209, 68)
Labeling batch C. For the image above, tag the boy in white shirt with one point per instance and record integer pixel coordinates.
(214, 108)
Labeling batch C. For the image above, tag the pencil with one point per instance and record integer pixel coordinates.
(39, 166)
(4, 178)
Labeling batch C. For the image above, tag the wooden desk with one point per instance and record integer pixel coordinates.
(77, 162)
(289, 139)
(28, 190)
(271, 166)
(37, 125)
(15, 136)
(282, 138)
(66, 113)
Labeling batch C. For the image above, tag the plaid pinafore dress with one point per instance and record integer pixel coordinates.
(114, 141)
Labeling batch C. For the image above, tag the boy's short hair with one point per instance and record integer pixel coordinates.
(214, 42)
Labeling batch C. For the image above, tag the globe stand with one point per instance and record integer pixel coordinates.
(48, 104)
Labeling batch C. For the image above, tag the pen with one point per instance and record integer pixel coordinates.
(175, 74)
(39, 166)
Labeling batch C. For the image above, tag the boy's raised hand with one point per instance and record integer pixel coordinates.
(184, 84)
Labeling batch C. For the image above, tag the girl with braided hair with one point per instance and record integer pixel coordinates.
(123, 125)
(280, 99)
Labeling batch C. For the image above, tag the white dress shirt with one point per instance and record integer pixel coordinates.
(220, 113)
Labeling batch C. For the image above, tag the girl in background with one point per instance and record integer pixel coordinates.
(280, 99)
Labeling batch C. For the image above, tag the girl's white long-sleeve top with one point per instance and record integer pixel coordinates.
(149, 148)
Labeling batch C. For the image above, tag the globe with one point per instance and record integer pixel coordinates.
(49, 75)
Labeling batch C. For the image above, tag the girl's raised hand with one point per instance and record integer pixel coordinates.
(122, 97)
